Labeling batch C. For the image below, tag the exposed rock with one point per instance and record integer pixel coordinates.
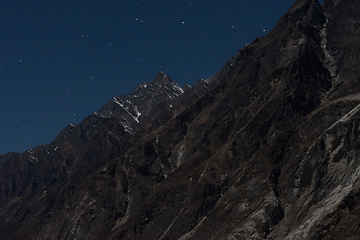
(265, 149)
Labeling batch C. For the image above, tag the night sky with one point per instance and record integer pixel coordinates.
(61, 60)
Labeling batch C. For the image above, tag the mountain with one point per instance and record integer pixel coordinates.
(265, 149)
(139, 105)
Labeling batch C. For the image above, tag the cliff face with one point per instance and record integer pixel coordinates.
(265, 149)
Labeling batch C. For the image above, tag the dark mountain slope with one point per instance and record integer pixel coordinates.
(268, 151)
(42, 176)
(236, 137)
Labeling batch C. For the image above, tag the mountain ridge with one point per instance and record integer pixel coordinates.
(265, 149)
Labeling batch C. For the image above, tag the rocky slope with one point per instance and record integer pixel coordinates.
(266, 149)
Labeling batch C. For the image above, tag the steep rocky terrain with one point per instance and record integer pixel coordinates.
(265, 149)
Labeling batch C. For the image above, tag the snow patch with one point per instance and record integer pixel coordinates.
(115, 100)
(126, 108)
(169, 96)
(177, 88)
(126, 125)
(32, 158)
(138, 114)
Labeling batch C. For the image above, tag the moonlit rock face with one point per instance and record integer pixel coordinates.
(267, 148)
(137, 105)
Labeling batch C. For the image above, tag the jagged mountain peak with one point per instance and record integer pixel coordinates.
(161, 83)
(162, 78)
(142, 104)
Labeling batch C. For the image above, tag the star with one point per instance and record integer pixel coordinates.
(81, 33)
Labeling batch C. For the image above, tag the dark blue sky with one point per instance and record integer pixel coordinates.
(62, 60)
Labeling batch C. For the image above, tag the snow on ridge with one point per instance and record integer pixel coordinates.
(101, 115)
(135, 109)
(177, 88)
(171, 97)
(142, 96)
(138, 114)
(126, 108)
(115, 100)
(32, 157)
(126, 125)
